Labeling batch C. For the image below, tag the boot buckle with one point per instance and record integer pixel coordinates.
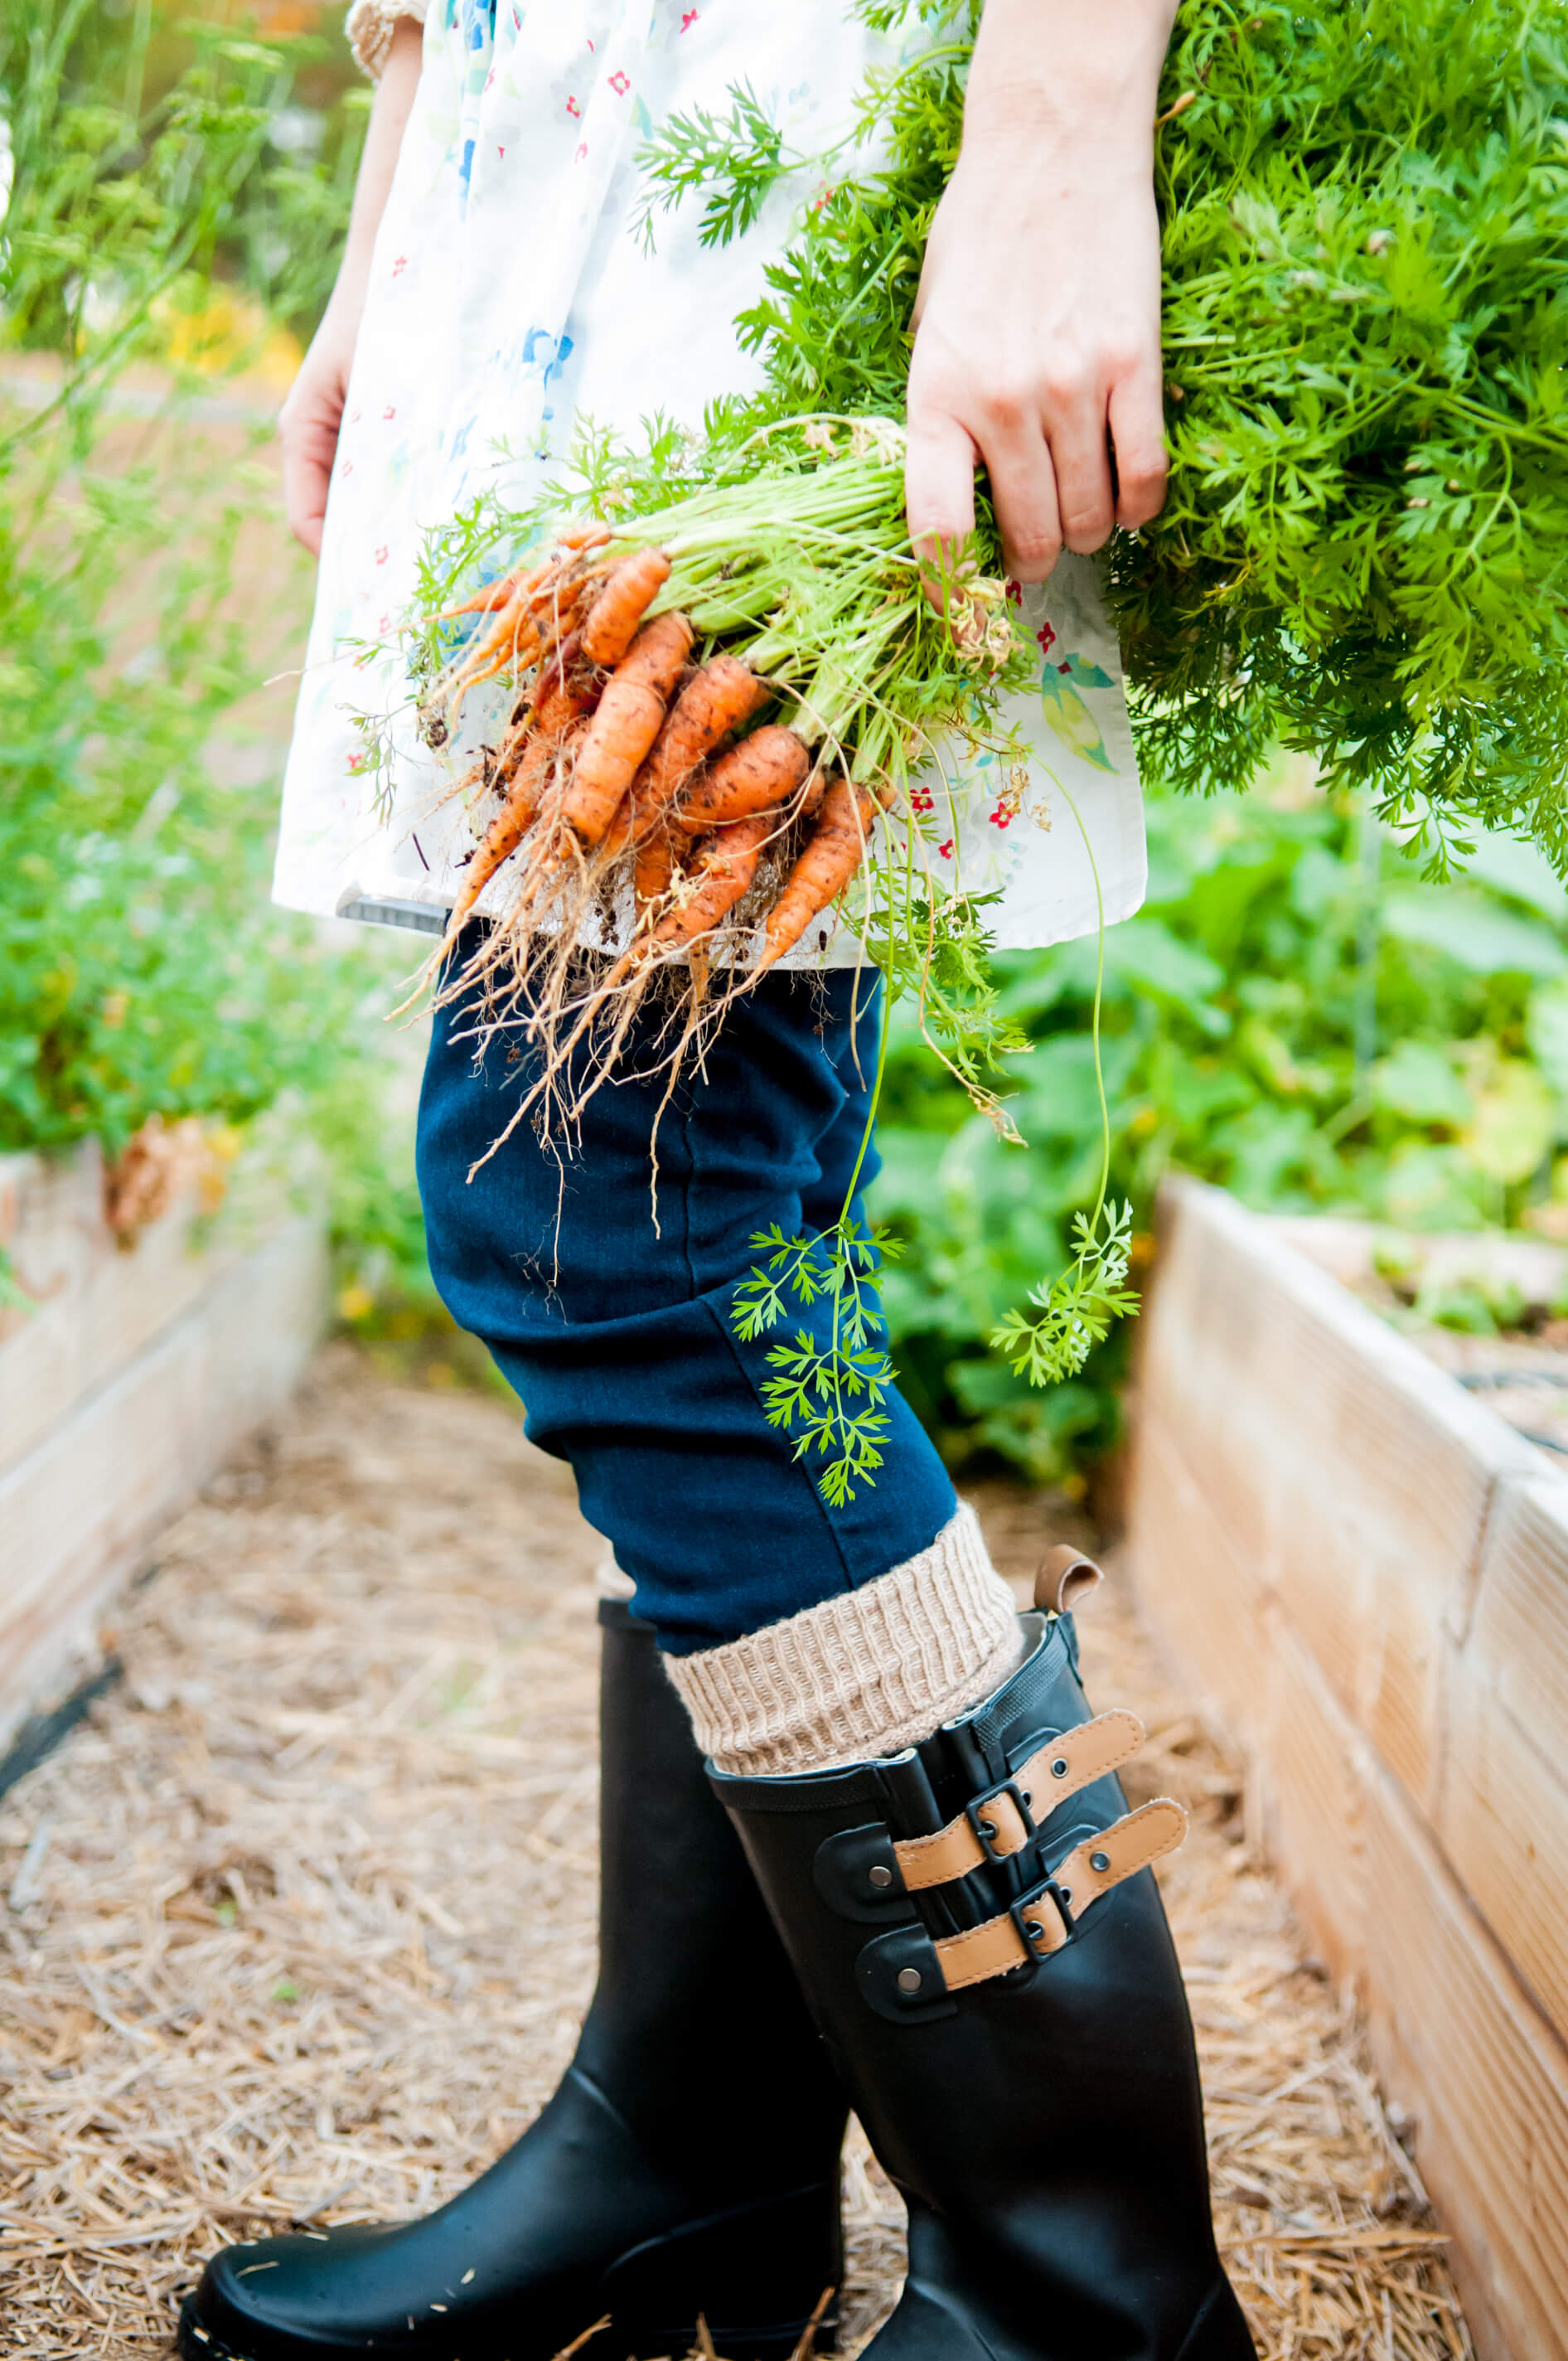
(1000, 1820)
(1035, 1931)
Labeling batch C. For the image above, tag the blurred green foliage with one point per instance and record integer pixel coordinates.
(142, 970)
(1293, 1014)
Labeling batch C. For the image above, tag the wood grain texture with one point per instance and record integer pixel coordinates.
(1502, 1811)
(94, 1304)
(79, 1508)
(1364, 1577)
(1356, 1475)
(1461, 2046)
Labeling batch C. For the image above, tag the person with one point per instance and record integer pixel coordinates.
(862, 1840)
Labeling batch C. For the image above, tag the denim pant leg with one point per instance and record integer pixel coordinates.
(616, 1333)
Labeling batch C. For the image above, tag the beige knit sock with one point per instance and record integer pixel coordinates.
(862, 1675)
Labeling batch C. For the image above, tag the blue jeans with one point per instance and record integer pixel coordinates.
(617, 1334)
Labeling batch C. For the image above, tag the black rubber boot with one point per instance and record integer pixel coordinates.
(688, 2162)
(1008, 2014)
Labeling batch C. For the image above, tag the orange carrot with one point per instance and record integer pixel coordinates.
(513, 640)
(561, 696)
(720, 697)
(630, 714)
(497, 594)
(761, 771)
(511, 824)
(656, 867)
(721, 874)
(582, 536)
(833, 852)
(622, 603)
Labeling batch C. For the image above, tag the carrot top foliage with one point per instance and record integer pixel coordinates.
(1364, 556)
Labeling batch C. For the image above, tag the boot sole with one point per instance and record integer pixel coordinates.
(729, 2266)
(195, 2342)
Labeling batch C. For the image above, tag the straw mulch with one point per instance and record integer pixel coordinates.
(297, 1927)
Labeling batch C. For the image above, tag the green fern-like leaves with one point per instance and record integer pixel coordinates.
(1074, 1313)
(829, 1391)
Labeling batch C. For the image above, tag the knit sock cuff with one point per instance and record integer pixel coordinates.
(862, 1675)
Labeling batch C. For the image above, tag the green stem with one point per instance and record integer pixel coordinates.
(1099, 998)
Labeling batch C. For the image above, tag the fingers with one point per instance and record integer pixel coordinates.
(305, 485)
(1051, 470)
(1026, 488)
(1137, 433)
(308, 428)
(938, 484)
(1076, 424)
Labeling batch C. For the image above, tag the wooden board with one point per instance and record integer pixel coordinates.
(79, 1509)
(95, 1304)
(1502, 1811)
(1487, 2082)
(1354, 1477)
(1364, 1575)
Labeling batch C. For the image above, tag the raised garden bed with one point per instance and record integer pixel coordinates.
(1362, 1572)
(140, 1352)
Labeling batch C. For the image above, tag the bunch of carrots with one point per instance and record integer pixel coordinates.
(622, 763)
(618, 748)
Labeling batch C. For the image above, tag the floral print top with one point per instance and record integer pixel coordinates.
(508, 297)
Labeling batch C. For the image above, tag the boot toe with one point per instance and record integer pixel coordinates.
(280, 2299)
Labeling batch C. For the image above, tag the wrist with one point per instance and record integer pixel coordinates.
(1084, 72)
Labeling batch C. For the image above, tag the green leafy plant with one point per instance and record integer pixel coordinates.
(1292, 1015)
(828, 1393)
(143, 972)
(1365, 551)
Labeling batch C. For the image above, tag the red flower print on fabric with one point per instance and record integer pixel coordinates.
(1015, 593)
(945, 852)
(399, 266)
(381, 555)
(1047, 638)
(574, 109)
(390, 410)
(620, 83)
(688, 18)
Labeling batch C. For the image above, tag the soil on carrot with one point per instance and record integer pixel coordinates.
(299, 1926)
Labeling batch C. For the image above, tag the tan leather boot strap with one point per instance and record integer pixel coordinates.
(1092, 1869)
(1056, 1771)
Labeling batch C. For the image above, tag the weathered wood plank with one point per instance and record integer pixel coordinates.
(1502, 1811)
(1200, 1595)
(1461, 2047)
(79, 1509)
(95, 1304)
(1354, 1474)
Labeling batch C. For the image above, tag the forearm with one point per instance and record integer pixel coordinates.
(389, 112)
(312, 413)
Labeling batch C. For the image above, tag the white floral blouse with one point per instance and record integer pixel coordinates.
(508, 297)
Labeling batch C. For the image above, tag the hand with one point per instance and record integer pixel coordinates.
(1037, 332)
(309, 421)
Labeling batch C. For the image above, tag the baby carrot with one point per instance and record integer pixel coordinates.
(833, 852)
(761, 771)
(629, 715)
(622, 605)
(656, 867)
(722, 694)
(721, 874)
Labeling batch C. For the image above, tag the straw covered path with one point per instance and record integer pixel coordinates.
(298, 1926)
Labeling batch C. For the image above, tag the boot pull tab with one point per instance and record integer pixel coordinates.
(1065, 1580)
